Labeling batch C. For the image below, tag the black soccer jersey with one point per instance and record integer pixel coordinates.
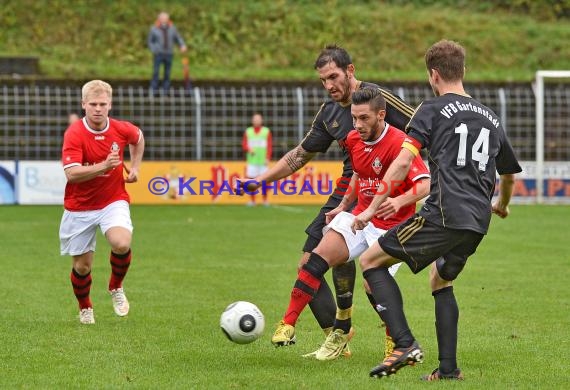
(334, 121)
(466, 147)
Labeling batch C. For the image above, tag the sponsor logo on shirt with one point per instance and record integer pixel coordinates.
(99, 137)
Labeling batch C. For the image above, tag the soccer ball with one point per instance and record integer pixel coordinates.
(242, 322)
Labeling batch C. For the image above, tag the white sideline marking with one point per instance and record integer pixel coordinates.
(288, 209)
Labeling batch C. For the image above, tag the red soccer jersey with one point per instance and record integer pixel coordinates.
(85, 146)
(370, 160)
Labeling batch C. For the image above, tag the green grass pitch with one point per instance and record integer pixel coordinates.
(190, 262)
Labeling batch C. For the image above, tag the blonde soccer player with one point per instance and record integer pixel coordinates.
(96, 197)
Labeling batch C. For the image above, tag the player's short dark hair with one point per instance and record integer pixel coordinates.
(448, 58)
(372, 96)
(333, 53)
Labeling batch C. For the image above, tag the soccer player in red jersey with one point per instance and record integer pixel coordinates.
(331, 123)
(95, 194)
(372, 147)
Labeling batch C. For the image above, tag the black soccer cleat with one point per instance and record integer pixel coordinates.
(436, 375)
(399, 358)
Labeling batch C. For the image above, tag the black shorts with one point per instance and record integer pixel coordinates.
(419, 243)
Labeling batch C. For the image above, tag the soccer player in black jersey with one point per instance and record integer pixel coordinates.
(332, 123)
(466, 146)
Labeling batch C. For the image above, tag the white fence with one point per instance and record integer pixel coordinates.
(207, 122)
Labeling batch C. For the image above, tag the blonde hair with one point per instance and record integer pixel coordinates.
(96, 87)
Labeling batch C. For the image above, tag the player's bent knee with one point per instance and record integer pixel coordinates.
(437, 283)
(82, 264)
(81, 268)
(121, 250)
(328, 257)
(366, 261)
(120, 245)
(119, 239)
(443, 273)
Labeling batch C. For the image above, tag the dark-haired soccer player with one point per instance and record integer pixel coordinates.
(332, 123)
(372, 148)
(466, 147)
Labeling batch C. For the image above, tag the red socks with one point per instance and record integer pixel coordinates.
(300, 297)
(306, 285)
(82, 283)
(81, 288)
(119, 267)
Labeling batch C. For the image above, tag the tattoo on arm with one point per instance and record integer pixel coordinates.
(297, 158)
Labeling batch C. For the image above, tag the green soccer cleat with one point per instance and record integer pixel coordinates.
(335, 345)
(284, 335)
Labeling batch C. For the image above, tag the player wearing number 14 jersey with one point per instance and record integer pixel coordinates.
(466, 146)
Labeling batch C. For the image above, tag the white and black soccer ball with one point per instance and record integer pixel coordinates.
(242, 322)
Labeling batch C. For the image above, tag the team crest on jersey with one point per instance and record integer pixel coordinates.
(335, 124)
(377, 165)
(114, 147)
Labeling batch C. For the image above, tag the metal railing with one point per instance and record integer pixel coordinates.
(207, 122)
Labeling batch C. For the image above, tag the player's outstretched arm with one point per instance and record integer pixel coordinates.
(291, 162)
(506, 186)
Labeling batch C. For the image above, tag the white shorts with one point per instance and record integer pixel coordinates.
(253, 171)
(359, 242)
(78, 229)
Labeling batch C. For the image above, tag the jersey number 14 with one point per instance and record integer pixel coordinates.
(479, 151)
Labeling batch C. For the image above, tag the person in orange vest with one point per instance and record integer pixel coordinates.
(256, 144)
